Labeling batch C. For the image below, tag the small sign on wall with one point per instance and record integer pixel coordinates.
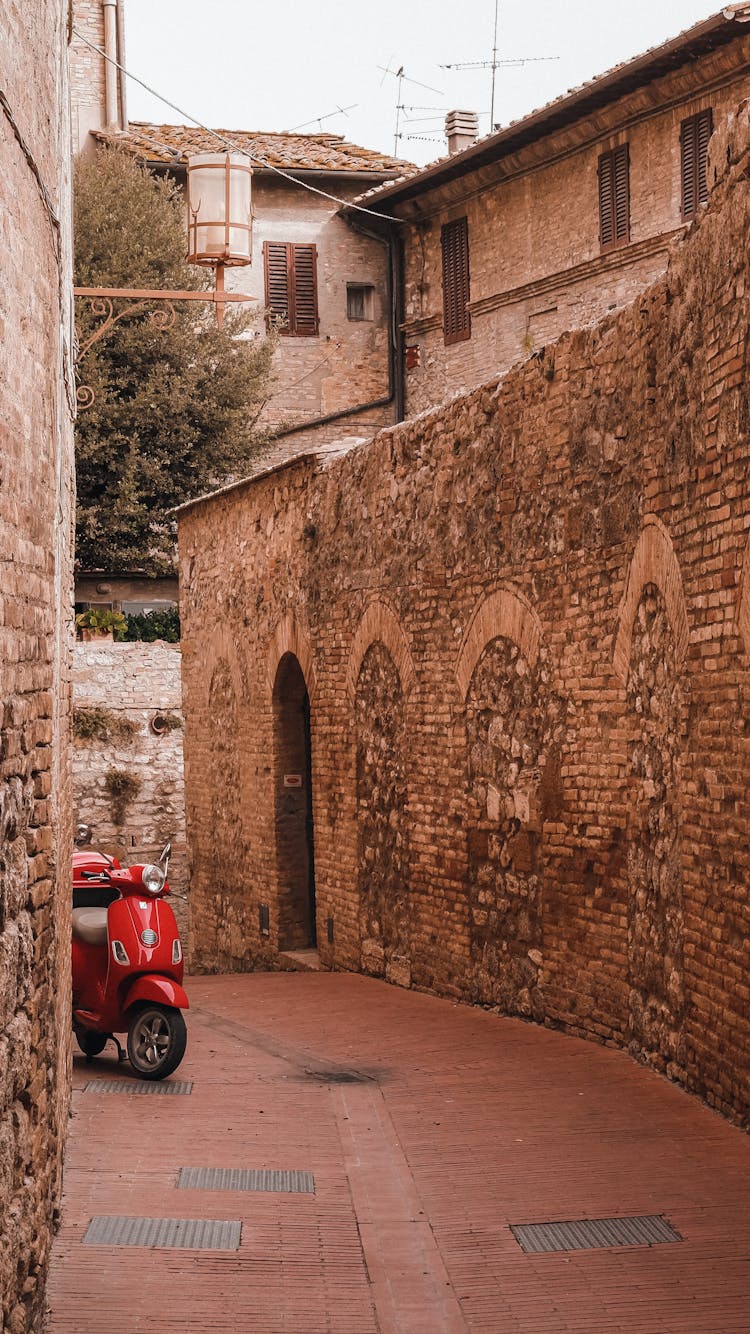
(292, 780)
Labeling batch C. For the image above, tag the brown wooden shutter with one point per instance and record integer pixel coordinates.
(695, 133)
(291, 287)
(606, 201)
(277, 281)
(614, 197)
(705, 130)
(455, 247)
(622, 193)
(305, 301)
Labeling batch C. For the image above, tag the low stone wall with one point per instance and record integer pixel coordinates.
(523, 624)
(121, 692)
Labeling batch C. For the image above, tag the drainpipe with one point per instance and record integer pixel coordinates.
(392, 243)
(121, 80)
(111, 109)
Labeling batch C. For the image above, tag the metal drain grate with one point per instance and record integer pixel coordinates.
(590, 1233)
(191, 1234)
(245, 1178)
(164, 1087)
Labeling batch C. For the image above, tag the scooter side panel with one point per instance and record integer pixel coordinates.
(160, 990)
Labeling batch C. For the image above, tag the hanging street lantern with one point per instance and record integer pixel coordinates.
(220, 217)
(220, 235)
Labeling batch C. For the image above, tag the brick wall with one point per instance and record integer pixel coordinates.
(87, 72)
(535, 261)
(533, 794)
(36, 478)
(134, 684)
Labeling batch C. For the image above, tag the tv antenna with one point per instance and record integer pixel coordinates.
(402, 78)
(318, 120)
(495, 64)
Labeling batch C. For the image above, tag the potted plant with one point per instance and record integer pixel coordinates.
(101, 623)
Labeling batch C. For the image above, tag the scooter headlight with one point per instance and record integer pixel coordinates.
(153, 879)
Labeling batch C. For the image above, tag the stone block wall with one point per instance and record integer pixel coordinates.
(523, 624)
(37, 403)
(122, 692)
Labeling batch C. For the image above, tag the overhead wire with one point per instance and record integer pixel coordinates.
(229, 144)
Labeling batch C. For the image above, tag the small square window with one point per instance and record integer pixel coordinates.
(359, 301)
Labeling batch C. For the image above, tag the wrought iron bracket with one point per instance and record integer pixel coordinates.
(140, 300)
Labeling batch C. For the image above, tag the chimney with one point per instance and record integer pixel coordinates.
(461, 129)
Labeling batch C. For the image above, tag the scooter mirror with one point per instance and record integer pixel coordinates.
(83, 835)
(166, 854)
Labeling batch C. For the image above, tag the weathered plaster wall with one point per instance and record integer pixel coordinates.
(535, 259)
(36, 482)
(135, 684)
(347, 362)
(523, 621)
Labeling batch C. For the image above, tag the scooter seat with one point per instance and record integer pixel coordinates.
(90, 925)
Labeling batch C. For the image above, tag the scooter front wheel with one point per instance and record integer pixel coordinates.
(157, 1038)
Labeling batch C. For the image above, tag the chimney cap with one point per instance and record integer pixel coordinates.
(461, 129)
(465, 122)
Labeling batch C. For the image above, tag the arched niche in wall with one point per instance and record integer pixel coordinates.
(379, 678)
(650, 651)
(505, 614)
(380, 622)
(223, 854)
(515, 724)
(653, 562)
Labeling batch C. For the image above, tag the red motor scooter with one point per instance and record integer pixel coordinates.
(127, 962)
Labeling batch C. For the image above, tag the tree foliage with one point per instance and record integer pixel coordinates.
(174, 412)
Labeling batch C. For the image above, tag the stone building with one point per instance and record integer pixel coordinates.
(554, 220)
(37, 405)
(467, 706)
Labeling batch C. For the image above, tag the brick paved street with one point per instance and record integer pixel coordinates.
(429, 1128)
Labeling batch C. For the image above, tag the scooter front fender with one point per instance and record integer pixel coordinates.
(153, 989)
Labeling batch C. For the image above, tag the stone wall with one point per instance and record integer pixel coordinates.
(536, 264)
(523, 623)
(121, 694)
(37, 402)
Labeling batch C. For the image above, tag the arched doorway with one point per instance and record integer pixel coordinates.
(295, 860)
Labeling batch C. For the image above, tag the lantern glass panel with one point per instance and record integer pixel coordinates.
(215, 236)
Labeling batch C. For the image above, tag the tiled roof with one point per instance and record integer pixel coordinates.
(573, 105)
(292, 152)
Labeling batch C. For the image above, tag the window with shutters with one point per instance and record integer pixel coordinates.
(695, 133)
(456, 318)
(614, 197)
(291, 287)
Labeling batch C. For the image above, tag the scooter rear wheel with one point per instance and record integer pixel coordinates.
(157, 1038)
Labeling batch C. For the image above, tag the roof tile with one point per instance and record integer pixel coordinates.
(295, 152)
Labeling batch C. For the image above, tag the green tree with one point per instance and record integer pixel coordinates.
(174, 412)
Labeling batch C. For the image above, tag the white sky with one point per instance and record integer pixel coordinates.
(242, 64)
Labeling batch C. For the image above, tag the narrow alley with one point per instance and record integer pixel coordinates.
(395, 1138)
